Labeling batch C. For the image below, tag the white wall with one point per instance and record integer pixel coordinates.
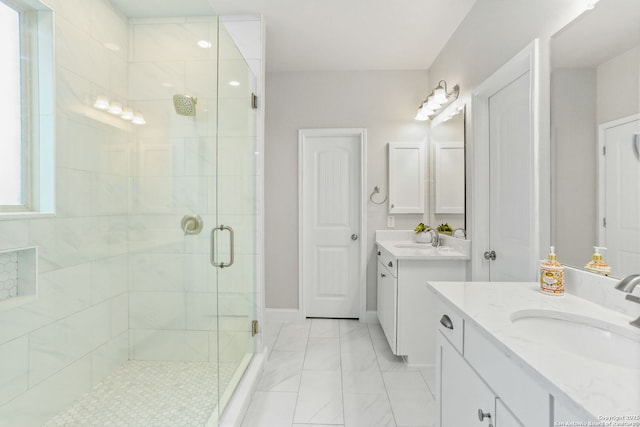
(383, 102)
(618, 86)
(492, 33)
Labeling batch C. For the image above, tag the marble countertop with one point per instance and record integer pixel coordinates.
(597, 388)
(401, 245)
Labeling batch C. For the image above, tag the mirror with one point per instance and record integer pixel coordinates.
(595, 63)
(447, 170)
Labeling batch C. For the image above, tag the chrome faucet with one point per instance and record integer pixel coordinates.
(464, 232)
(628, 284)
(435, 237)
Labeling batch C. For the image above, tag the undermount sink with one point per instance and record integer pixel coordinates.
(585, 336)
(428, 248)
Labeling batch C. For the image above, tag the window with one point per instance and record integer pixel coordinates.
(26, 108)
(11, 140)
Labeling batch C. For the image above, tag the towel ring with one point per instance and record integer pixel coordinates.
(376, 190)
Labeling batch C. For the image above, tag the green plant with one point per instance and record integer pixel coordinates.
(421, 228)
(445, 227)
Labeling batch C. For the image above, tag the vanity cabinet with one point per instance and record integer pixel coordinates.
(387, 301)
(473, 378)
(406, 309)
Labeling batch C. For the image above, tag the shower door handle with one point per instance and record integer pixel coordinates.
(212, 253)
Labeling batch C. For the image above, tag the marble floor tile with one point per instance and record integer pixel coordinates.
(293, 337)
(282, 371)
(368, 410)
(270, 409)
(323, 354)
(413, 408)
(363, 382)
(404, 380)
(429, 375)
(320, 398)
(324, 328)
(317, 425)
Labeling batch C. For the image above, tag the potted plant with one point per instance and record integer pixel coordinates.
(445, 229)
(422, 233)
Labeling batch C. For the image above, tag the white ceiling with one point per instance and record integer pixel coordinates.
(333, 34)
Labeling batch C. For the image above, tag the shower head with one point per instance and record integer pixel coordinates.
(185, 105)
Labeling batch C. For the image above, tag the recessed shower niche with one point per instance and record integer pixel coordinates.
(17, 276)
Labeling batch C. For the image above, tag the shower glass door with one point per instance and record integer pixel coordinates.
(234, 241)
(193, 163)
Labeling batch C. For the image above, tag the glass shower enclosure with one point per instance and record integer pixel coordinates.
(193, 221)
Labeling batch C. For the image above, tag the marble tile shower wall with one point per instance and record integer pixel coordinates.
(76, 331)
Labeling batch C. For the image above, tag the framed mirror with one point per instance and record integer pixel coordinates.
(595, 99)
(447, 168)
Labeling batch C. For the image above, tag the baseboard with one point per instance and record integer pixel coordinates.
(371, 316)
(282, 314)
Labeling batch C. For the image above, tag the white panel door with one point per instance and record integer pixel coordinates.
(331, 224)
(511, 182)
(622, 198)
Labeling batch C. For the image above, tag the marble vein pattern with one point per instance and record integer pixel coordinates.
(330, 372)
(595, 387)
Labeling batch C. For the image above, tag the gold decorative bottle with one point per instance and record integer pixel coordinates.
(597, 264)
(552, 275)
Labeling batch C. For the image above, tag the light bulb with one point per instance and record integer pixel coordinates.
(127, 114)
(138, 119)
(115, 108)
(102, 103)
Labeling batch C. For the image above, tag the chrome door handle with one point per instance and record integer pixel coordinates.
(354, 237)
(212, 253)
(490, 255)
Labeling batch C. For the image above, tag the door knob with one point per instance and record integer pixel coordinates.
(490, 255)
(354, 237)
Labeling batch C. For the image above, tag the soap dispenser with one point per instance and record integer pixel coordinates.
(597, 264)
(551, 275)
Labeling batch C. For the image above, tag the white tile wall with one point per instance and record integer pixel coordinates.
(76, 331)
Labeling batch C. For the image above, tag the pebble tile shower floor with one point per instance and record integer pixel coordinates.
(154, 394)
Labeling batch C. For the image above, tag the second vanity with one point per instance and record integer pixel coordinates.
(510, 356)
(406, 310)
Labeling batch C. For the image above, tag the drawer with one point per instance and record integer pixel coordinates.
(388, 261)
(450, 325)
(523, 395)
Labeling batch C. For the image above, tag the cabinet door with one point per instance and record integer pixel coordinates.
(504, 417)
(387, 304)
(462, 392)
(406, 177)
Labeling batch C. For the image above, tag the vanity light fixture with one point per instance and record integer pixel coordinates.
(591, 4)
(103, 103)
(437, 101)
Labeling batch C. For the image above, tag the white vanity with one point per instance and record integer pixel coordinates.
(511, 356)
(406, 309)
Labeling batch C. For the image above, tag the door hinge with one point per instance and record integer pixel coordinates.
(254, 101)
(254, 328)
(604, 150)
(604, 222)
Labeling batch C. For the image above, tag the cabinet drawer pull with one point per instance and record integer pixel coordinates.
(482, 415)
(383, 275)
(446, 322)
(379, 253)
(390, 264)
